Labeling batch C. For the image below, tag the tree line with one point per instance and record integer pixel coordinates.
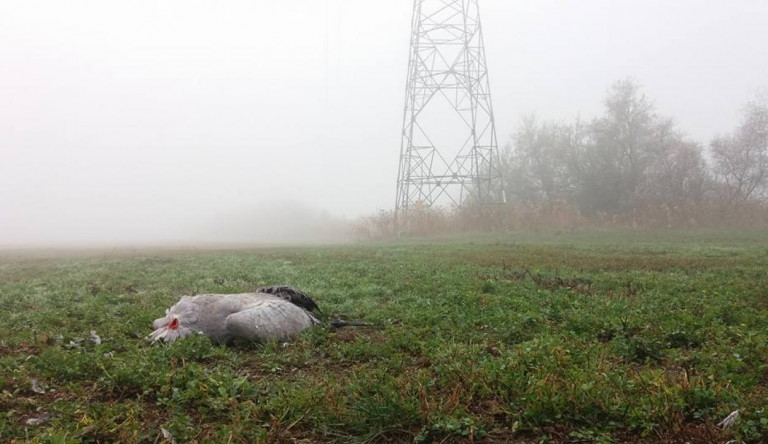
(631, 157)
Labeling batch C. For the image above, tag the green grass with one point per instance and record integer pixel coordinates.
(587, 337)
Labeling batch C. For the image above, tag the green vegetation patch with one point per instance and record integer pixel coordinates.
(586, 337)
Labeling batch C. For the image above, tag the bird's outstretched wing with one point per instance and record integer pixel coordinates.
(293, 296)
(269, 319)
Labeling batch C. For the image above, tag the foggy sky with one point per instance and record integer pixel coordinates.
(154, 120)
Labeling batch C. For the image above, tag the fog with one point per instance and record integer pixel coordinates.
(188, 122)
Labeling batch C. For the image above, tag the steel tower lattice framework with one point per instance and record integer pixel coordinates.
(449, 153)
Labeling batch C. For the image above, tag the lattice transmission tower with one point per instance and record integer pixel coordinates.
(449, 153)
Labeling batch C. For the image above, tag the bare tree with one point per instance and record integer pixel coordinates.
(536, 163)
(741, 159)
(677, 172)
(610, 168)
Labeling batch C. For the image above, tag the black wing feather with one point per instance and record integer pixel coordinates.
(291, 295)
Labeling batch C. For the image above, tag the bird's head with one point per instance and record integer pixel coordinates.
(169, 329)
(174, 324)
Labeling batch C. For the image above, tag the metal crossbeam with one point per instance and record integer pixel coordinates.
(449, 153)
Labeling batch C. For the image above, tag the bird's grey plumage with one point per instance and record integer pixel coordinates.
(222, 317)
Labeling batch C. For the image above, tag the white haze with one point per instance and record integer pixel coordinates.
(201, 121)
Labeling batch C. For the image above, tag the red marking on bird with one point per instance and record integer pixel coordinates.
(174, 324)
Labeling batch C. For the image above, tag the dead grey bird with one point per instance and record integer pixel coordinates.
(271, 313)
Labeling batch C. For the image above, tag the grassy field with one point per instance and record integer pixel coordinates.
(587, 337)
